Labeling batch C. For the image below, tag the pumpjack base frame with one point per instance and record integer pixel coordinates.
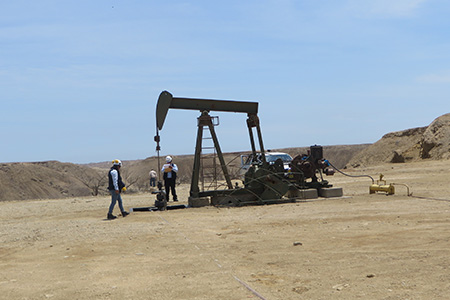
(154, 208)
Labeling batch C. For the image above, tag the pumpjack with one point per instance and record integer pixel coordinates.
(264, 182)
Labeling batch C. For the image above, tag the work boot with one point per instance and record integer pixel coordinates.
(111, 217)
(176, 200)
(124, 214)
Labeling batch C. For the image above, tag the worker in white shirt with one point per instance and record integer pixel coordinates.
(170, 175)
(115, 187)
(152, 175)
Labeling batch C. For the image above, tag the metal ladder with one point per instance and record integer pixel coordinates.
(208, 160)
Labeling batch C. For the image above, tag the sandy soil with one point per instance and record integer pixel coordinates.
(359, 246)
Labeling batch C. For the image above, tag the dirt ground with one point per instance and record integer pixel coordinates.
(359, 246)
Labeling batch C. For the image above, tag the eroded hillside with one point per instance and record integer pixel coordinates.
(430, 142)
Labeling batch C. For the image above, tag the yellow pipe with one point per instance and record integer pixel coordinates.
(388, 189)
(407, 188)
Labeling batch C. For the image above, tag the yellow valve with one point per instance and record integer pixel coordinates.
(382, 186)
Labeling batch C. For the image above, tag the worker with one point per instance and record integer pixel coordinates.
(170, 175)
(152, 175)
(115, 187)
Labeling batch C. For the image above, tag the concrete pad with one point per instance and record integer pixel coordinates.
(198, 202)
(331, 192)
(303, 193)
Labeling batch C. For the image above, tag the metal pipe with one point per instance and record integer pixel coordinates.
(407, 188)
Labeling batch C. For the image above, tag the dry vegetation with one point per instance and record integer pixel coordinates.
(53, 179)
(359, 246)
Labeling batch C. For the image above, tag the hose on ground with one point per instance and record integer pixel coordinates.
(373, 181)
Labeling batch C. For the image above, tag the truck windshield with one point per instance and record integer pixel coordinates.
(273, 157)
(270, 158)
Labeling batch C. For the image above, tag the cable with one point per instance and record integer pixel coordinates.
(327, 161)
(409, 194)
(217, 262)
(428, 198)
(249, 288)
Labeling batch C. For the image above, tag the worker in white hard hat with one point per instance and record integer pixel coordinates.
(115, 187)
(170, 170)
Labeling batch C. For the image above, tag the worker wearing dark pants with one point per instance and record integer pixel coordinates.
(170, 175)
(115, 187)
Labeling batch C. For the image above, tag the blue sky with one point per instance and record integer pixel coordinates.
(79, 80)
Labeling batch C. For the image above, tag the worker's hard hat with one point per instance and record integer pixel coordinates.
(117, 162)
(168, 159)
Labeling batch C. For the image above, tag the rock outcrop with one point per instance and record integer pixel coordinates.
(430, 142)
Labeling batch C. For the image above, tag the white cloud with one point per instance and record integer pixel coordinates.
(443, 77)
(385, 8)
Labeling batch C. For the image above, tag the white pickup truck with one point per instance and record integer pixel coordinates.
(271, 157)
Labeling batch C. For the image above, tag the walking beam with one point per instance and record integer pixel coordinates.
(167, 101)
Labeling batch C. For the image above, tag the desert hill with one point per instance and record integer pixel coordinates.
(362, 246)
(46, 180)
(53, 179)
(430, 142)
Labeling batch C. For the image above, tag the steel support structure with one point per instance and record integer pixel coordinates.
(166, 101)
